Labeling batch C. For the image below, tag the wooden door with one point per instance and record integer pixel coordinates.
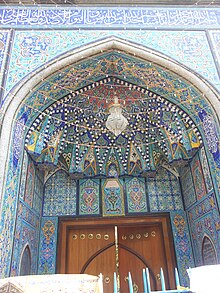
(141, 247)
(88, 246)
(92, 251)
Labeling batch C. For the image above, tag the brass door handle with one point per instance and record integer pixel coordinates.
(107, 280)
(158, 277)
(135, 286)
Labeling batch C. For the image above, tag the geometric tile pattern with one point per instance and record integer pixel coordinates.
(86, 150)
(89, 197)
(187, 186)
(38, 191)
(136, 195)
(182, 245)
(205, 169)
(29, 188)
(112, 197)
(164, 192)
(48, 245)
(198, 177)
(32, 184)
(60, 195)
(23, 176)
(204, 221)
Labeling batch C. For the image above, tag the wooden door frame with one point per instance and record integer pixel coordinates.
(67, 223)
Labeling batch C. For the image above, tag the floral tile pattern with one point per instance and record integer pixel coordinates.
(48, 246)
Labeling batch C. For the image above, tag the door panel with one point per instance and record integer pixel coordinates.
(89, 250)
(141, 247)
(134, 265)
(88, 246)
(104, 263)
(85, 243)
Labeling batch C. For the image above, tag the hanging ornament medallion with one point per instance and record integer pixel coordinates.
(116, 122)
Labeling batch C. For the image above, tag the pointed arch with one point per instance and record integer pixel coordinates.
(19, 94)
(25, 262)
(209, 255)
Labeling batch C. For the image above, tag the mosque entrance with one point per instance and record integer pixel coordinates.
(119, 245)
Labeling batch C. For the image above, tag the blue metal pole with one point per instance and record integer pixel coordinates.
(130, 283)
(115, 283)
(148, 280)
(144, 281)
(177, 279)
(162, 280)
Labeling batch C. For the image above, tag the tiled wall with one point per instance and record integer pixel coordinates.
(60, 195)
(112, 197)
(192, 41)
(48, 246)
(64, 196)
(101, 197)
(31, 50)
(201, 205)
(28, 216)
